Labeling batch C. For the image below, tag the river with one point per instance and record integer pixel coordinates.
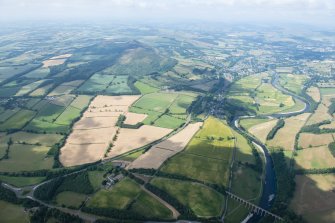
(269, 183)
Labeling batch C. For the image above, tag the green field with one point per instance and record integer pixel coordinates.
(41, 91)
(145, 88)
(119, 85)
(207, 154)
(38, 73)
(70, 199)
(26, 158)
(132, 156)
(33, 138)
(118, 197)
(21, 181)
(18, 120)
(29, 88)
(256, 94)
(96, 178)
(148, 206)
(293, 82)
(327, 91)
(41, 126)
(7, 113)
(167, 110)
(203, 201)
(247, 123)
(48, 112)
(11, 213)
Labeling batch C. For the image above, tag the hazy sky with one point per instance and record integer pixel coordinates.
(319, 12)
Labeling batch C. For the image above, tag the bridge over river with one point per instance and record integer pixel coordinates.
(254, 208)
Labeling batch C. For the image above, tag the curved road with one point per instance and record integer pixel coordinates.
(269, 183)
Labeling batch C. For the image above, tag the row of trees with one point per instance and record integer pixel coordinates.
(78, 183)
(315, 128)
(280, 124)
(285, 190)
(42, 215)
(49, 174)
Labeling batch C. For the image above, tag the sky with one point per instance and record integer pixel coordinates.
(315, 12)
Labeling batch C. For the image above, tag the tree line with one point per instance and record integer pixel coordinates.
(280, 124)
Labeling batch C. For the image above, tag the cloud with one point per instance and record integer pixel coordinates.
(217, 10)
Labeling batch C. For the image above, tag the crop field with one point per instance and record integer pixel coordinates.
(26, 158)
(243, 149)
(41, 91)
(293, 82)
(145, 88)
(32, 138)
(285, 137)
(21, 181)
(97, 83)
(48, 112)
(315, 157)
(156, 156)
(314, 92)
(262, 130)
(314, 197)
(134, 118)
(53, 62)
(61, 100)
(247, 123)
(41, 72)
(208, 153)
(203, 201)
(148, 206)
(117, 197)
(83, 145)
(12, 213)
(61, 90)
(256, 93)
(320, 114)
(29, 88)
(7, 113)
(307, 140)
(70, 199)
(129, 139)
(18, 120)
(167, 110)
(96, 178)
(327, 91)
(119, 85)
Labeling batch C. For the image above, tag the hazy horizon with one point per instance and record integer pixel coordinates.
(310, 12)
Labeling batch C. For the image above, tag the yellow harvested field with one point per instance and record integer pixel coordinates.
(96, 122)
(98, 135)
(113, 101)
(61, 56)
(328, 126)
(134, 118)
(321, 113)
(73, 155)
(317, 157)
(314, 93)
(262, 130)
(129, 139)
(285, 136)
(312, 140)
(92, 134)
(314, 198)
(157, 155)
(51, 62)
